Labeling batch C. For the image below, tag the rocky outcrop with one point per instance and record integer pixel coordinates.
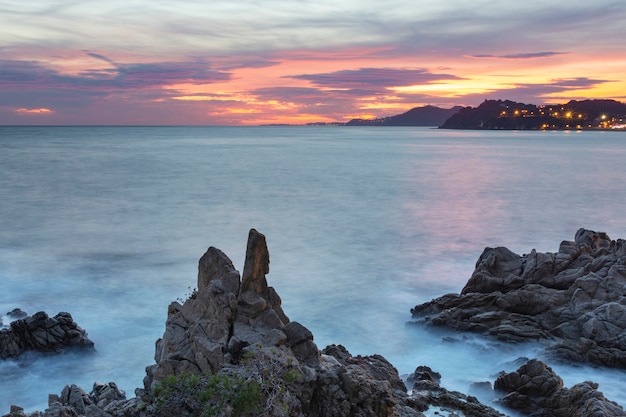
(230, 350)
(42, 334)
(104, 400)
(225, 315)
(235, 328)
(574, 299)
(536, 390)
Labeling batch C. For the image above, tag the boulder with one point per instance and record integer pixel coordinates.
(17, 313)
(427, 394)
(573, 300)
(535, 390)
(42, 333)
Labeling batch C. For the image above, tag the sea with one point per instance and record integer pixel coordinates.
(362, 224)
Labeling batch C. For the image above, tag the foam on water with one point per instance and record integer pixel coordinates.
(362, 224)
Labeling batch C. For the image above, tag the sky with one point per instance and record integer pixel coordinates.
(250, 62)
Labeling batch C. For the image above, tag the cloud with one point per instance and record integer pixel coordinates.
(578, 83)
(249, 63)
(23, 110)
(374, 78)
(535, 93)
(32, 75)
(100, 57)
(130, 93)
(298, 93)
(527, 55)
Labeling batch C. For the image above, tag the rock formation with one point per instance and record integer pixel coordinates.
(536, 390)
(574, 300)
(236, 327)
(230, 350)
(427, 394)
(42, 334)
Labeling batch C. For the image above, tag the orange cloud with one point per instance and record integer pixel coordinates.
(33, 111)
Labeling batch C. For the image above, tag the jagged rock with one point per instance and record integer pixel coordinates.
(17, 313)
(225, 315)
(575, 299)
(424, 373)
(104, 395)
(262, 344)
(536, 390)
(427, 394)
(230, 350)
(42, 334)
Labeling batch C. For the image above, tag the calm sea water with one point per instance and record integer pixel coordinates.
(108, 223)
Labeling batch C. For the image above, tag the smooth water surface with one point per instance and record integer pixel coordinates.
(108, 223)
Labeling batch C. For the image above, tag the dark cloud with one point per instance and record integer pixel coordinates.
(249, 63)
(31, 75)
(546, 27)
(374, 78)
(287, 93)
(122, 93)
(527, 55)
(100, 57)
(165, 73)
(13, 74)
(577, 83)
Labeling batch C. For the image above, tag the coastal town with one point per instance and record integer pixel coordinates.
(574, 115)
(565, 117)
(509, 115)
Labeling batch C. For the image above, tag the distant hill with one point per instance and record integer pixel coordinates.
(506, 114)
(418, 116)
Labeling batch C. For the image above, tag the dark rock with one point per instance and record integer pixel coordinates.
(17, 313)
(573, 300)
(427, 394)
(245, 334)
(424, 373)
(482, 389)
(536, 390)
(41, 333)
(230, 338)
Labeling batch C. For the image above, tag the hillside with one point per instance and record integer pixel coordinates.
(418, 116)
(506, 114)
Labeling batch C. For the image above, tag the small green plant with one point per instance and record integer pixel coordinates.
(291, 376)
(216, 395)
(169, 392)
(230, 395)
(274, 372)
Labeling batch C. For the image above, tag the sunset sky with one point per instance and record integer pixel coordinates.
(243, 62)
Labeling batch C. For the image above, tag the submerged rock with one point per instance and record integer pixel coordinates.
(574, 300)
(41, 333)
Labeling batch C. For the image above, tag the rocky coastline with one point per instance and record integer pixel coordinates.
(230, 350)
(573, 300)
